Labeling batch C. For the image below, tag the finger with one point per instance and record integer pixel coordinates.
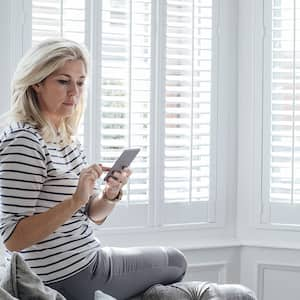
(124, 180)
(113, 186)
(104, 168)
(117, 175)
(113, 179)
(127, 171)
(125, 176)
(122, 176)
(96, 168)
(93, 173)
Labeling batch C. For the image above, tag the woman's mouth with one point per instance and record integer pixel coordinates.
(69, 103)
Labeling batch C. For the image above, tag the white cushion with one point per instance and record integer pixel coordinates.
(101, 296)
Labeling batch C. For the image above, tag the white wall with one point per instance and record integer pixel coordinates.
(214, 264)
(14, 19)
(274, 273)
(5, 55)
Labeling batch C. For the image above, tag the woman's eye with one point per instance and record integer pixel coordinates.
(80, 83)
(64, 82)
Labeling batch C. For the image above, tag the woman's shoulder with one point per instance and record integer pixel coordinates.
(19, 129)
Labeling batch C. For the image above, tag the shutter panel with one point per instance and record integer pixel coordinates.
(124, 102)
(283, 167)
(59, 18)
(187, 106)
(284, 110)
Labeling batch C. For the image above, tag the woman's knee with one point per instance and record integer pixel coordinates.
(177, 259)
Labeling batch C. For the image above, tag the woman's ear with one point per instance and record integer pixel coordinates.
(36, 87)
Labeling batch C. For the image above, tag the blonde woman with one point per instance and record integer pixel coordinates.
(48, 194)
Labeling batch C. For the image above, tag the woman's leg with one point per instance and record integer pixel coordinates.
(125, 272)
(133, 270)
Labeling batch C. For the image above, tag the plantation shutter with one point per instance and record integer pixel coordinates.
(281, 181)
(59, 18)
(123, 101)
(188, 102)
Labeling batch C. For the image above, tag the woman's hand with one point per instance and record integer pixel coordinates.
(86, 183)
(115, 183)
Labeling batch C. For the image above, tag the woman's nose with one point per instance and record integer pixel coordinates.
(73, 89)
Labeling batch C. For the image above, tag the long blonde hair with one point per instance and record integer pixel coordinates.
(36, 65)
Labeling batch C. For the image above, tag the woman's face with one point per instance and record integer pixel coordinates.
(61, 91)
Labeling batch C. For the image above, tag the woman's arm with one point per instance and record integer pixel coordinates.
(23, 169)
(33, 229)
(99, 209)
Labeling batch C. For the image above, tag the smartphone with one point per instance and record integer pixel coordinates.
(125, 159)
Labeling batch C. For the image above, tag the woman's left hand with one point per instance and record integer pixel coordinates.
(115, 183)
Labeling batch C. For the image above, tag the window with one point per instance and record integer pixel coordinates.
(150, 87)
(281, 164)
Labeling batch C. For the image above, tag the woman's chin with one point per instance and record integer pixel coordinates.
(68, 111)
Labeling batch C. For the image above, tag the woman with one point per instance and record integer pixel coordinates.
(48, 193)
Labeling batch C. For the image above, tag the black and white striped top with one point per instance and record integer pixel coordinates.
(35, 176)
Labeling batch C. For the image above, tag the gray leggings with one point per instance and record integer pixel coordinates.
(124, 272)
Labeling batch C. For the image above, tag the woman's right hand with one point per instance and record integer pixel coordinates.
(86, 183)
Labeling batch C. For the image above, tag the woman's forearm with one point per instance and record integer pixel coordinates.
(99, 209)
(33, 229)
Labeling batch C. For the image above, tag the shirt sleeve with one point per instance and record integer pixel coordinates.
(22, 174)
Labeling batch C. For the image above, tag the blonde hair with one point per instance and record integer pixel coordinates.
(36, 65)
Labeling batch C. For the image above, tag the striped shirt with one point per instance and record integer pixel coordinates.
(35, 176)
